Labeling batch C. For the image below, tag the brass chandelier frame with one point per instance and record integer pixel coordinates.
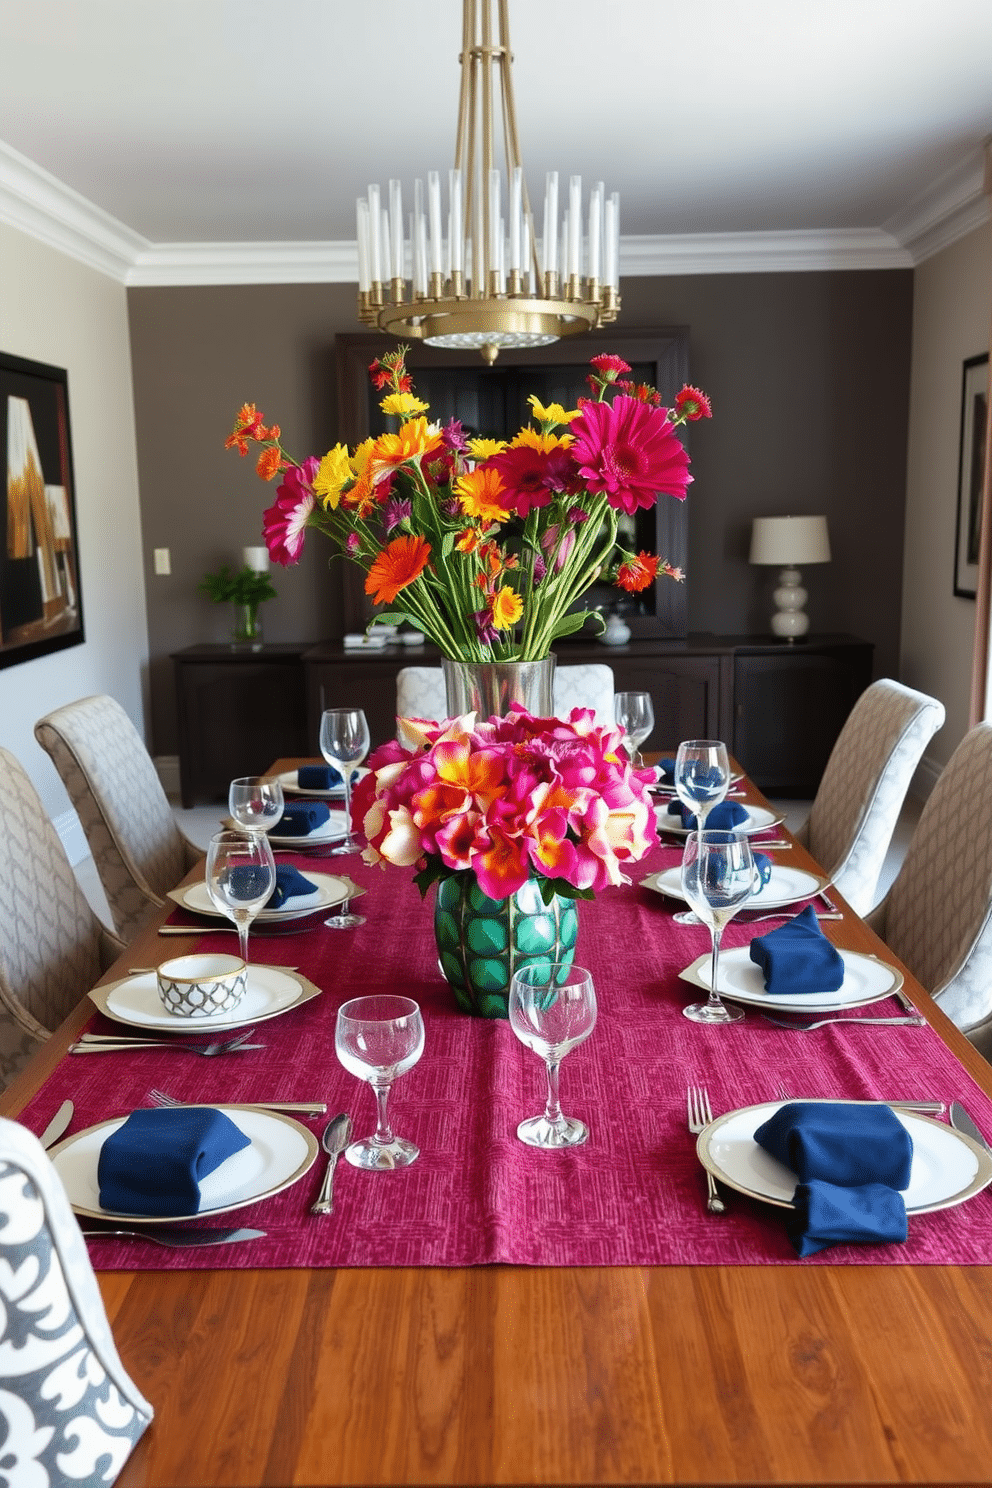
(476, 299)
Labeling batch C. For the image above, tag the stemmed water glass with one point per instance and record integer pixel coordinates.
(241, 874)
(344, 743)
(552, 1008)
(718, 876)
(634, 714)
(701, 779)
(378, 1038)
(255, 802)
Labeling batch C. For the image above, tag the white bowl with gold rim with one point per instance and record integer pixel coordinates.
(200, 986)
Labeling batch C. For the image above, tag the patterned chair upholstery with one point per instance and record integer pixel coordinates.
(420, 691)
(864, 785)
(937, 915)
(69, 1413)
(139, 851)
(53, 948)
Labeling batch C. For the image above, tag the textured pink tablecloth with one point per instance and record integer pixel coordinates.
(633, 1195)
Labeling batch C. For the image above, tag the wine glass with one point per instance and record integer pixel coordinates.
(552, 1008)
(255, 802)
(241, 874)
(344, 743)
(718, 876)
(701, 779)
(378, 1038)
(635, 715)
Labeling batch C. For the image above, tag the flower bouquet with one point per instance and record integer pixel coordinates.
(513, 819)
(486, 546)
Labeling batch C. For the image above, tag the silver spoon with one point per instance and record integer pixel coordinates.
(337, 1135)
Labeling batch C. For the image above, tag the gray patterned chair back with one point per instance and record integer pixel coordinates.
(864, 785)
(69, 1413)
(53, 948)
(139, 851)
(937, 916)
(420, 691)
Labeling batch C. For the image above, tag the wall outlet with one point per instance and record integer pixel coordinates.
(163, 561)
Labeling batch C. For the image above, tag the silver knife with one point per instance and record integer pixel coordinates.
(172, 1235)
(962, 1122)
(57, 1125)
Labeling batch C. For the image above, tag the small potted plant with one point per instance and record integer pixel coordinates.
(246, 590)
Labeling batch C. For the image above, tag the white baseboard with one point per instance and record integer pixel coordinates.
(167, 766)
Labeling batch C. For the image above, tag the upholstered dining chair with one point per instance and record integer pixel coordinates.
(139, 851)
(420, 691)
(937, 914)
(53, 948)
(69, 1412)
(863, 787)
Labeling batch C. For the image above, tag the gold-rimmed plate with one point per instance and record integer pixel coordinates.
(269, 992)
(785, 886)
(866, 979)
(759, 819)
(947, 1168)
(331, 889)
(280, 1151)
(289, 782)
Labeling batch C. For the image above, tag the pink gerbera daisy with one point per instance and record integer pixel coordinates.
(284, 524)
(630, 451)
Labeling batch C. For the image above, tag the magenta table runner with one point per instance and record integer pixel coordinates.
(633, 1195)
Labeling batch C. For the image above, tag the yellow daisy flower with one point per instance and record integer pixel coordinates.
(507, 607)
(543, 443)
(553, 414)
(403, 404)
(334, 473)
(481, 449)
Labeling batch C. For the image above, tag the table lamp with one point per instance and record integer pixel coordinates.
(789, 542)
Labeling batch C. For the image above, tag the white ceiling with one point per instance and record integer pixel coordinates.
(240, 122)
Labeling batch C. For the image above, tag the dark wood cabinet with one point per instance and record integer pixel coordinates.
(790, 703)
(238, 711)
(780, 707)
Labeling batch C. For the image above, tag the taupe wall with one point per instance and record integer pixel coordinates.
(809, 374)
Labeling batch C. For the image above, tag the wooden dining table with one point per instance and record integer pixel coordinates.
(565, 1375)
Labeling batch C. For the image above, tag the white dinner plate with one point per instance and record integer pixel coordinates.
(759, 819)
(329, 831)
(785, 886)
(281, 1151)
(948, 1167)
(866, 979)
(336, 793)
(269, 992)
(330, 890)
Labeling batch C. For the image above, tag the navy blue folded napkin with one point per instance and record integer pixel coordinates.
(665, 771)
(300, 818)
(798, 957)
(318, 777)
(722, 817)
(764, 866)
(154, 1162)
(851, 1160)
(247, 881)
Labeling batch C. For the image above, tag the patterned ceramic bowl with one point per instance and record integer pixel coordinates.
(197, 986)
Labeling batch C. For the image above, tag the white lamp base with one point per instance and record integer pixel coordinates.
(789, 620)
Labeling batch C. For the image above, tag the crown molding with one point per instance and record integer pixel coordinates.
(41, 206)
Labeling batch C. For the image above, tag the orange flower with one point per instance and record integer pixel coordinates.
(416, 438)
(399, 563)
(478, 492)
(506, 607)
(269, 462)
(637, 573)
(246, 426)
(468, 540)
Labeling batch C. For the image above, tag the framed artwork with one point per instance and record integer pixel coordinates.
(971, 473)
(41, 607)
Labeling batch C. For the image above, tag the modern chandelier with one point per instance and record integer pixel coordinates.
(488, 282)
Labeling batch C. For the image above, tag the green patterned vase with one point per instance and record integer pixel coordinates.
(481, 941)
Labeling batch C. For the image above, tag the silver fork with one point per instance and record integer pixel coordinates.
(303, 1108)
(916, 1022)
(746, 919)
(99, 1043)
(700, 1114)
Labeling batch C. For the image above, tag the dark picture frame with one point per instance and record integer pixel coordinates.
(971, 473)
(41, 605)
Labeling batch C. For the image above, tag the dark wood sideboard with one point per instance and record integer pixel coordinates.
(779, 706)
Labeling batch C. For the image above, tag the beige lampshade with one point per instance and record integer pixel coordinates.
(790, 541)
